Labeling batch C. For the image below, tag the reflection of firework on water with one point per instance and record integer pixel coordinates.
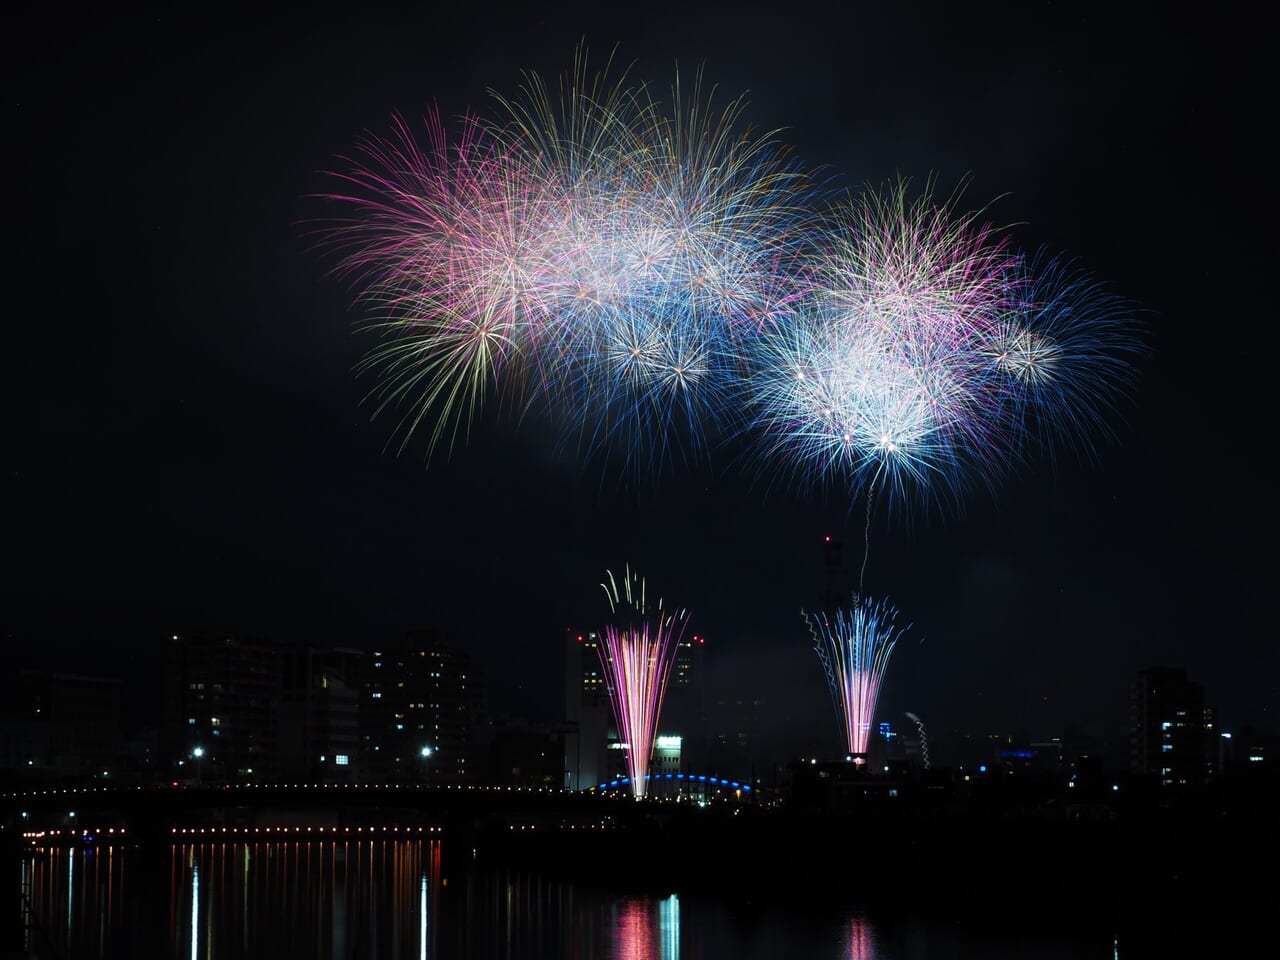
(1066, 349)
(854, 646)
(637, 653)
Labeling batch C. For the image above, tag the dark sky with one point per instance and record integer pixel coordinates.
(185, 445)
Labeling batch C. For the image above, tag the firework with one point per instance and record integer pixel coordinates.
(924, 739)
(671, 251)
(1067, 350)
(649, 276)
(880, 382)
(637, 653)
(596, 255)
(854, 646)
(444, 242)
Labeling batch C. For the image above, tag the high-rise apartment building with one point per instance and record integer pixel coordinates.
(220, 708)
(319, 715)
(420, 705)
(588, 713)
(60, 726)
(1172, 733)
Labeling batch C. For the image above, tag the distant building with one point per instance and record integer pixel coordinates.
(684, 713)
(60, 726)
(221, 699)
(419, 709)
(517, 754)
(1173, 737)
(319, 715)
(588, 713)
(736, 726)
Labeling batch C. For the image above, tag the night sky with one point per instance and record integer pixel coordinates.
(186, 445)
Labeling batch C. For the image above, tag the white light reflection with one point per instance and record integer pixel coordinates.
(71, 875)
(669, 928)
(195, 911)
(244, 901)
(26, 894)
(422, 919)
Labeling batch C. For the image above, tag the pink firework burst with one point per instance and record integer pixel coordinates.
(637, 654)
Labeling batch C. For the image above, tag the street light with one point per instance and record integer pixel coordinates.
(198, 752)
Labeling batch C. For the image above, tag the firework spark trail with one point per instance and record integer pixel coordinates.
(680, 229)
(594, 254)
(924, 738)
(854, 646)
(837, 405)
(881, 380)
(651, 277)
(1067, 349)
(636, 656)
(446, 240)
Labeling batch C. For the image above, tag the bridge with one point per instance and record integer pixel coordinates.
(328, 809)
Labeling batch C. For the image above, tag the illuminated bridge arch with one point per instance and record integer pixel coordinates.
(667, 785)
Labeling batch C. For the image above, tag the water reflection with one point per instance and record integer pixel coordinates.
(635, 935)
(233, 900)
(862, 945)
(402, 899)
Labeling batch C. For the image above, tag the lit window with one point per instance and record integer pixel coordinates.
(191, 721)
(341, 759)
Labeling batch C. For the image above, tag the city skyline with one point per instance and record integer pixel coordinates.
(208, 701)
(188, 449)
